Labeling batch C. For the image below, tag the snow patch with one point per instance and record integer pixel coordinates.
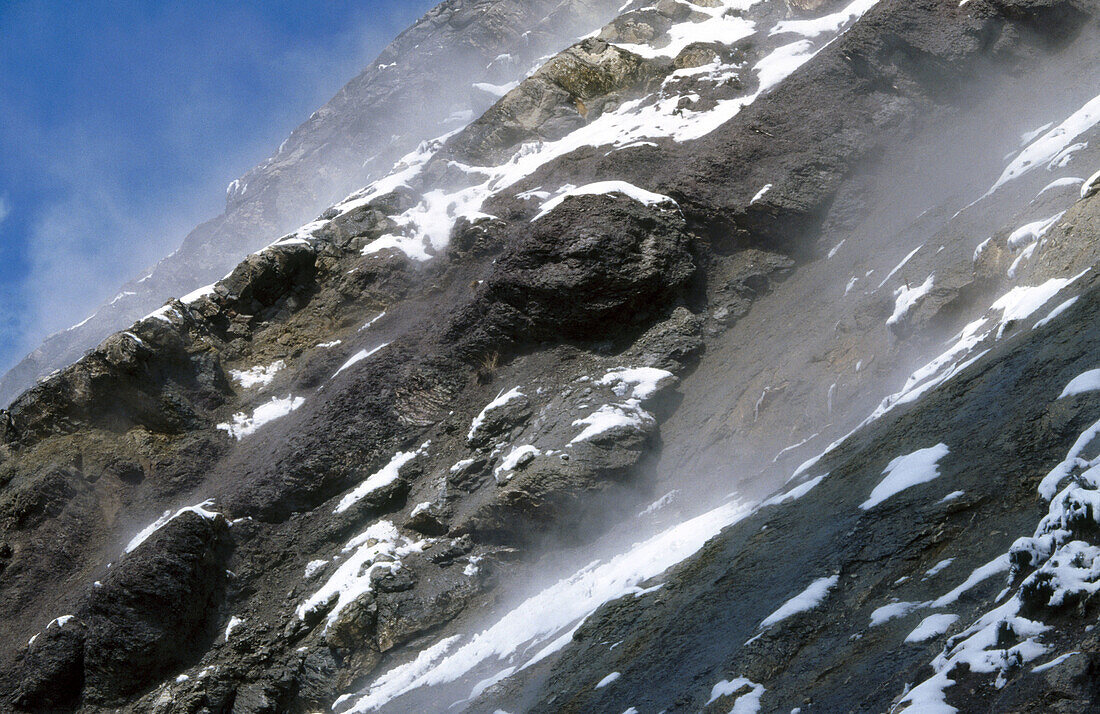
(379, 547)
(379, 479)
(234, 623)
(243, 425)
(642, 196)
(807, 600)
(931, 626)
(747, 703)
(357, 358)
(906, 299)
(501, 400)
(258, 376)
(907, 471)
(1085, 382)
(1048, 146)
(553, 614)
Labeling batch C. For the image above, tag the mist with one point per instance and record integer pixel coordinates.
(109, 168)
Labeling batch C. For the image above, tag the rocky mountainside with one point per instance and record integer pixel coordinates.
(434, 78)
(740, 358)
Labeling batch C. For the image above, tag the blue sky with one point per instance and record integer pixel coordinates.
(122, 122)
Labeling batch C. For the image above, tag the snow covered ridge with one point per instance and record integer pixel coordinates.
(199, 509)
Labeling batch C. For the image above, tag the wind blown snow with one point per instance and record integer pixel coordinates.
(551, 615)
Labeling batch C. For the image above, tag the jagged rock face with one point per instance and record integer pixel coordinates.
(446, 441)
(573, 87)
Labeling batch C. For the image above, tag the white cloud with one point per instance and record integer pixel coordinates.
(5, 208)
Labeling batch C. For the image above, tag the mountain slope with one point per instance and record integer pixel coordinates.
(440, 446)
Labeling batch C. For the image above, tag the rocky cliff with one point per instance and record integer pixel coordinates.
(739, 358)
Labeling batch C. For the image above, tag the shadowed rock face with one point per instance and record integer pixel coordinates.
(391, 436)
(155, 611)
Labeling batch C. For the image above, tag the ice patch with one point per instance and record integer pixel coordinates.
(608, 680)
